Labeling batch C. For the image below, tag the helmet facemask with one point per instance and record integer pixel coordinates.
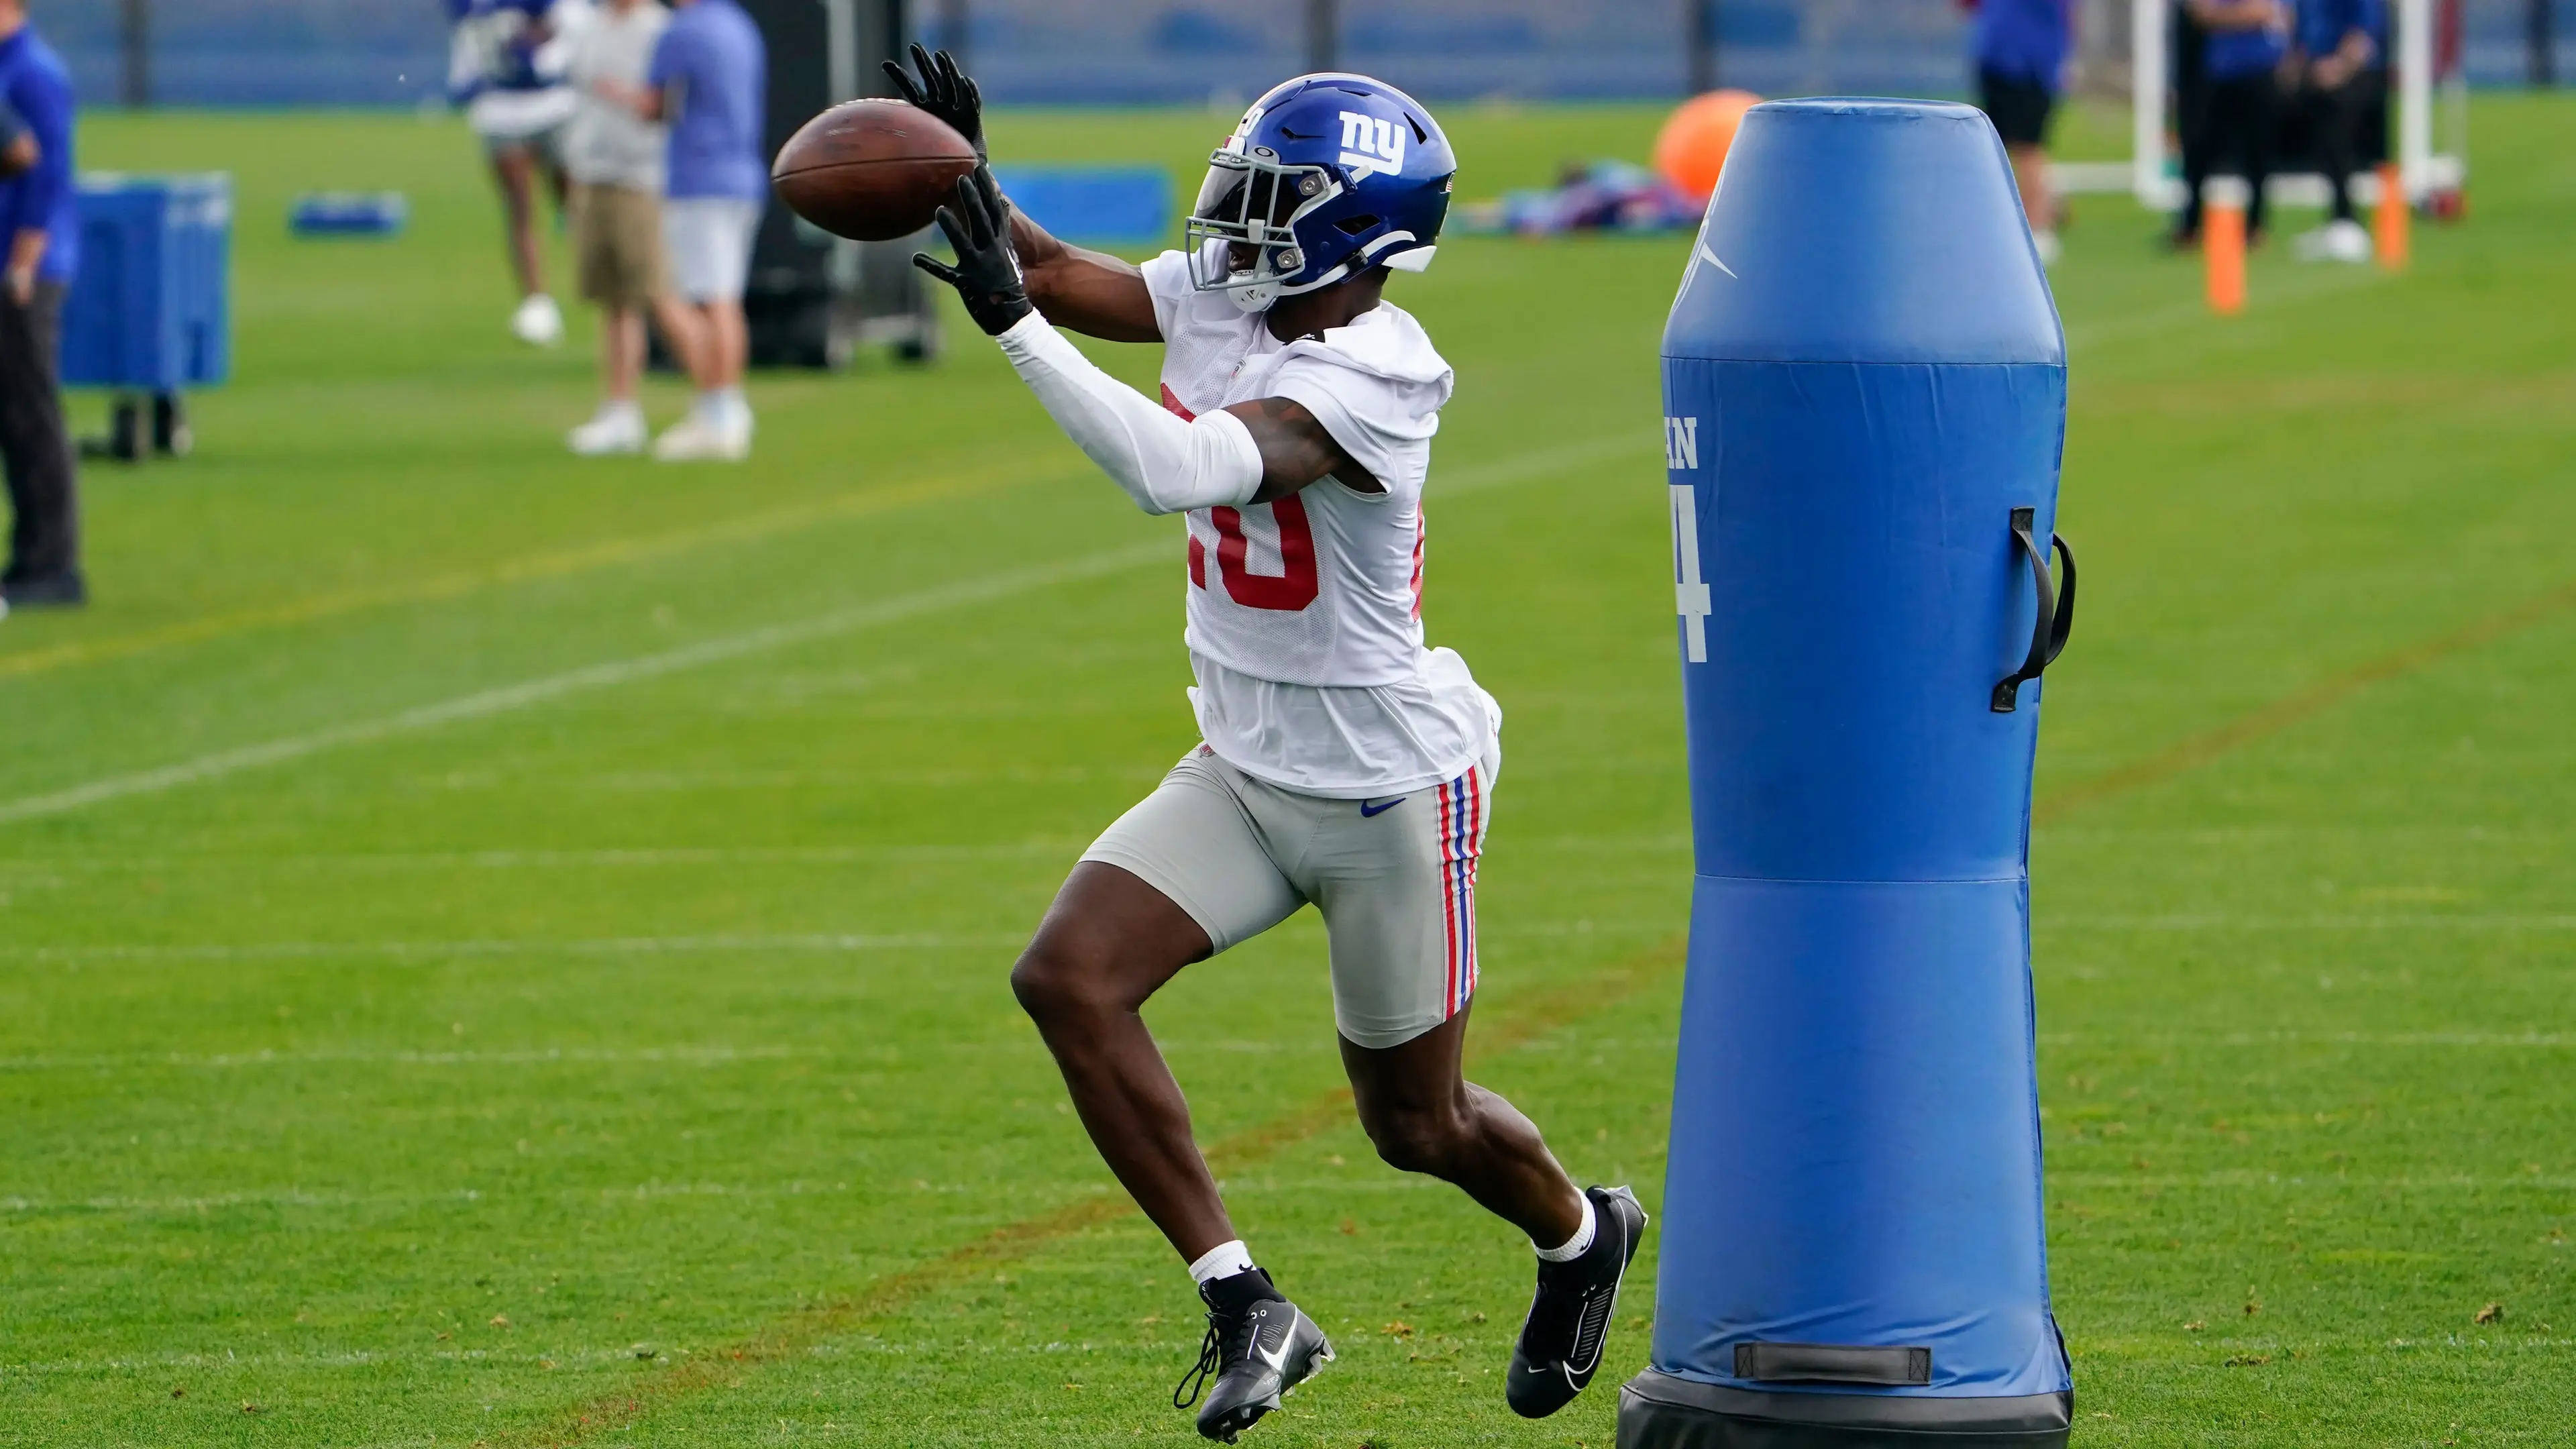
(1241, 234)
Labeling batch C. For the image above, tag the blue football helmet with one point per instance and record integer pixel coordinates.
(1325, 177)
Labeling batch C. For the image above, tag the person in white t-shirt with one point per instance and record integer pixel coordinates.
(615, 159)
(1344, 763)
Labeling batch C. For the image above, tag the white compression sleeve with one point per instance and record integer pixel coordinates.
(1167, 463)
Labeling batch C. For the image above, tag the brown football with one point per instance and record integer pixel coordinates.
(871, 170)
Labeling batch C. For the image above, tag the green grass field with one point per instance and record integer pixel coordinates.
(502, 949)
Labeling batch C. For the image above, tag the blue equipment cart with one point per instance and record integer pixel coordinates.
(150, 315)
(1104, 205)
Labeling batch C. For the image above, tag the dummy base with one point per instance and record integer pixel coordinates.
(1660, 1411)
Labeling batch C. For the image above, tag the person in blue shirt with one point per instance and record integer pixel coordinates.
(2240, 104)
(2022, 47)
(709, 82)
(2337, 56)
(40, 238)
(505, 70)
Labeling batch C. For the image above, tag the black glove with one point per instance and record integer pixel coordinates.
(987, 273)
(944, 91)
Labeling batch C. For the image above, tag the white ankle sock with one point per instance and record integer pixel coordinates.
(1222, 1261)
(1573, 1247)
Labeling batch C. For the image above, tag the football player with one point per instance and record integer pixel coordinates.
(505, 69)
(1342, 763)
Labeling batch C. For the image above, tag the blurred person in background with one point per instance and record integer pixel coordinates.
(506, 68)
(2340, 77)
(2187, 53)
(615, 159)
(2022, 46)
(42, 239)
(2240, 104)
(709, 82)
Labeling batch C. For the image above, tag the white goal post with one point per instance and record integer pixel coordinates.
(2426, 172)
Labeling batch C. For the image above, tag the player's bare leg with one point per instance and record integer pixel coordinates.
(684, 327)
(1423, 1115)
(514, 169)
(728, 343)
(538, 321)
(1108, 942)
(2038, 194)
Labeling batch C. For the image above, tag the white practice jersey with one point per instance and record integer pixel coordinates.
(1305, 614)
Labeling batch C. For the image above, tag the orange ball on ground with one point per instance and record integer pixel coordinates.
(1691, 149)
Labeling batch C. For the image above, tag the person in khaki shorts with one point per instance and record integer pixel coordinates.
(615, 159)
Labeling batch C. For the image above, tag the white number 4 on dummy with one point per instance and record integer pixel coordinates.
(1690, 592)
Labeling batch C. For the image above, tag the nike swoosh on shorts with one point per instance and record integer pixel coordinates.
(1367, 810)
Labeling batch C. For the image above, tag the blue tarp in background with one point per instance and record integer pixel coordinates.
(393, 52)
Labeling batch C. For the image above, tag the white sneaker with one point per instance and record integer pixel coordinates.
(538, 322)
(2336, 241)
(612, 430)
(694, 439)
(2045, 243)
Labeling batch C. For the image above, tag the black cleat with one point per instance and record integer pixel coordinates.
(62, 590)
(1569, 1319)
(1258, 1347)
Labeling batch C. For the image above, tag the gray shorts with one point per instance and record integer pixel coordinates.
(1394, 877)
(545, 147)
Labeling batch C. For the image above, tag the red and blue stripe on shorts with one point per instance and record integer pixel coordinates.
(1462, 839)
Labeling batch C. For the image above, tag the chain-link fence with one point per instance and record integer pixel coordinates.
(393, 52)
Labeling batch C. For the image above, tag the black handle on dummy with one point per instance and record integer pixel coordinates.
(2056, 610)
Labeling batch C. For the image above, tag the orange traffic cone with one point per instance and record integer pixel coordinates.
(2222, 243)
(2389, 223)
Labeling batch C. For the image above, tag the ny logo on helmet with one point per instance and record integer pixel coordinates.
(1371, 145)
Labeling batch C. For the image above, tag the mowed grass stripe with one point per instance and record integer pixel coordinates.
(546, 689)
(2301, 705)
(830, 942)
(1519, 1022)
(681, 542)
(483, 704)
(552, 563)
(2182, 756)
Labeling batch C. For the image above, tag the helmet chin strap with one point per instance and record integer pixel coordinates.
(1261, 296)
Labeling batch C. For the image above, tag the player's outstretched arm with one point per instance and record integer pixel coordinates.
(1167, 463)
(1091, 292)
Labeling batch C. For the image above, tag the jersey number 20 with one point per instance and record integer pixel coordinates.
(1286, 592)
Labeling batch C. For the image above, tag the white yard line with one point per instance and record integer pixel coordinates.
(509, 699)
(546, 689)
(2124, 1040)
(1546, 463)
(501, 858)
(2389, 921)
(2171, 317)
(655, 857)
(2221, 1180)
(1501, 929)
(828, 942)
(684, 1055)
